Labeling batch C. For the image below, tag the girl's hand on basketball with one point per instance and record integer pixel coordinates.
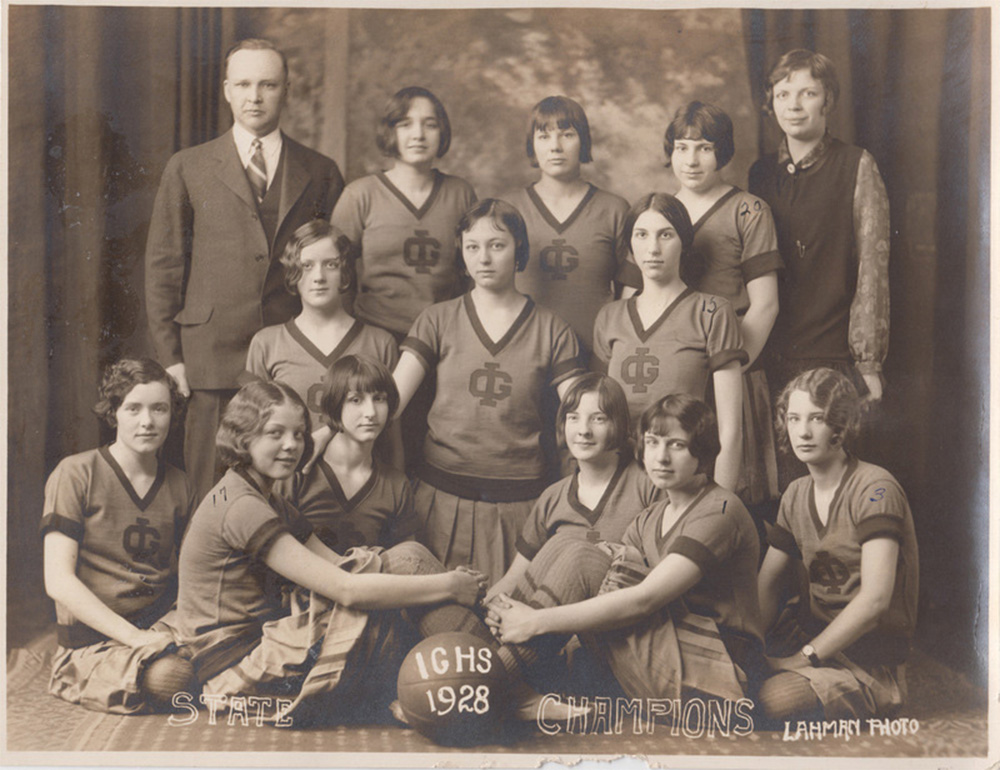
(512, 622)
(465, 586)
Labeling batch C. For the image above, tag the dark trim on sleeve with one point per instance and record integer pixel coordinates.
(565, 370)
(782, 539)
(724, 357)
(762, 264)
(260, 542)
(54, 522)
(525, 549)
(421, 350)
(880, 525)
(696, 552)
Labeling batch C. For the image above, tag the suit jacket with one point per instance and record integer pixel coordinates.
(208, 256)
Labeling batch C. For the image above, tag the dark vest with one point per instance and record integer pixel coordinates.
(814, 216)
(277, 304)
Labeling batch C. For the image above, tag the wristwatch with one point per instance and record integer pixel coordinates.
(809, 652)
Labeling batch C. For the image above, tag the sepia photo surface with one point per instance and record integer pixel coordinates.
(100, 97)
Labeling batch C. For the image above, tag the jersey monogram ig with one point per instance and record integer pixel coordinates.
(558, 260)
(491, 384)
(422, 251)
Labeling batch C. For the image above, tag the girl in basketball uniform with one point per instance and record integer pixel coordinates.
(112, 525)
(244, 542)
(493, 352)
(349, 496)
(671, 338)
(574, 228)
(845, 541)
(319, 267)
(673, 613)
(404, 221)
(734, 233)
(608, 489)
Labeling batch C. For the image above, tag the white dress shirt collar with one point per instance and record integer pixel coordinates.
(270, 144)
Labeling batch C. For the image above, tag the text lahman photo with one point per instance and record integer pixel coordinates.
(437, 386)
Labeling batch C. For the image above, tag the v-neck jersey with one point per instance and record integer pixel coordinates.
(487, 389)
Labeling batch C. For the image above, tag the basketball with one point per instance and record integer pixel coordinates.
(451, 688)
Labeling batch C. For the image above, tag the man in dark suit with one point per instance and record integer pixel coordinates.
(222, 216)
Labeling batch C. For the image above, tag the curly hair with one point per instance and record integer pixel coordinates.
(694, 416)
(610, 398)
(359, 374)
(692, 264)
(829, 390)
(123, 375)
(397, 108)
(312, 232)
(559, 112)
(819, 66)
(247, 414)
(707, 122)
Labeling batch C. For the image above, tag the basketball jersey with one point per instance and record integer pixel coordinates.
(127, 544)
(559, 510)
(223, 578)
(716, 533)
(486, 419)
(409, 256)
(869, 503)
(737, 240)
(693, 337)
(285, 354)
(379, 514)
(573, 263)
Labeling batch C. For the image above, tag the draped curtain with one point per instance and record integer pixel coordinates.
(915, 92)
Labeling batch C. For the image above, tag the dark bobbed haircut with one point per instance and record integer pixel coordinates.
(697, 120)
(692, 264)
(397, 108)
(123, 375)
(562, 112)
(255, 44)
(360, 374)
(829, 390)
(247, 414)
(694, 416)
(819, 66)
(504, 217)
(610, 398)
(306, 235)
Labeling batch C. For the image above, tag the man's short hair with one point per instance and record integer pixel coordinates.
(256, 44)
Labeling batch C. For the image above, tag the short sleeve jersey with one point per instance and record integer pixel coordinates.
(283, 353)
(869, 503)
(696, 335)
(486, 419)
(573, 263)
(409, 257)
(379, 514)
(716, 533)
(223, 578)
(127, 544)
(737, 240)
(559, 510)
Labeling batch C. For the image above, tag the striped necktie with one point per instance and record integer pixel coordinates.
(257, 171)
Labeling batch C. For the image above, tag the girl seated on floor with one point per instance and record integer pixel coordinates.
(349, 496)
(677, 612)
(324, 644)
(112, 524)
(844, 553)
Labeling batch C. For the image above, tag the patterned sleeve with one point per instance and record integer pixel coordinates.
(709, 538)
(880, 510)
(424, 337)
(868, 333)
(760, 239)
(722, 332)
(65, 500)
(602, 345)
(349, 215)
(565, 359)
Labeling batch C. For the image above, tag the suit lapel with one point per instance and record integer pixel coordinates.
(231, 171)
(294, 179)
